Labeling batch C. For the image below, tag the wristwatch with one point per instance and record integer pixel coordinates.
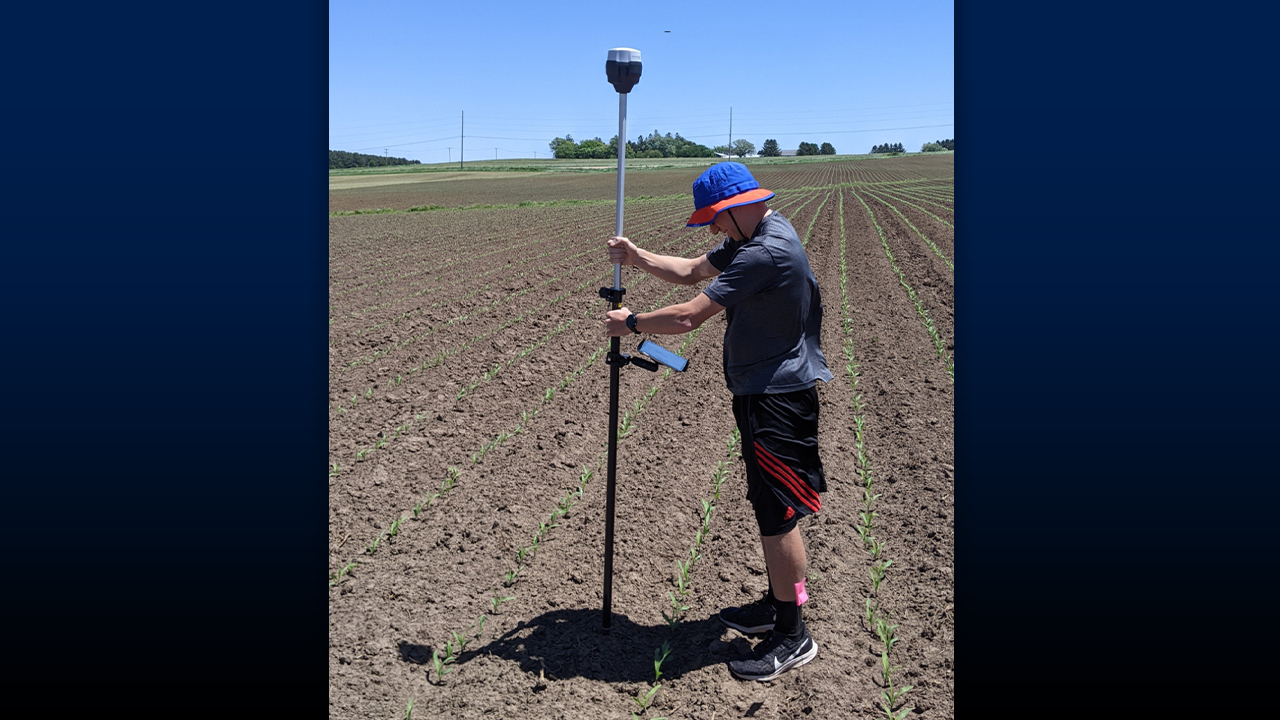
(631, 323)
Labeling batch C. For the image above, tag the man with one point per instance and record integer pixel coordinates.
(772, 362)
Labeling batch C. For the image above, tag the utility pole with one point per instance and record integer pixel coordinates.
(463, 150)
(450, 156)
(495, 153)
(730, 133)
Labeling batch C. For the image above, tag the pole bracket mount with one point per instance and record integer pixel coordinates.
(613, 295)
(622, 359)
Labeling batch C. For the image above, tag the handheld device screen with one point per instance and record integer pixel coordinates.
(663, 355)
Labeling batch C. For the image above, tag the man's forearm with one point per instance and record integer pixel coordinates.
(670, 320)
(676, 270)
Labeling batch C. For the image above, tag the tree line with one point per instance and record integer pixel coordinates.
(771, 149)
(343, 159)
(939, 146)
(888, 148)
(808, 148)
(655, 145)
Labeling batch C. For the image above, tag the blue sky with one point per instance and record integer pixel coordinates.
(854, 74)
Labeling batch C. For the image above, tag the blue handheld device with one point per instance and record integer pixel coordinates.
(663, 355)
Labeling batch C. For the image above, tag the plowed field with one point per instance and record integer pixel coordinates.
(468, 431)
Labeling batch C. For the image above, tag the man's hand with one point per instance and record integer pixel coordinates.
(615, 322)
(622, 251)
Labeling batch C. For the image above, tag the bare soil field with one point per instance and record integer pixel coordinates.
(468, 434)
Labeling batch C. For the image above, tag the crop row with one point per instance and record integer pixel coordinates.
(913, 227)
(682, 580)
(938, 342)
(876, 617)
(527, 415)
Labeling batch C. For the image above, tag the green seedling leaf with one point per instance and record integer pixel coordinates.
(659, 657)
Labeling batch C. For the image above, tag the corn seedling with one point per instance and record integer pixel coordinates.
(876, 548)
(885, 670)
(336, 578)
(335, 470)
(889, 699)
(870, 613)
(643, 699)
(886, 633)
(868, 498)
(660, 656)
(676, 610)
(408, 710)
(395, 527)
(441, 669)
(510, 578)
(877, 573)
(866, 520)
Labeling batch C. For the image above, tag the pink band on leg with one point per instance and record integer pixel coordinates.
(801, 595)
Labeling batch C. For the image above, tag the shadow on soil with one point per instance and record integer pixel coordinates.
(571, 643)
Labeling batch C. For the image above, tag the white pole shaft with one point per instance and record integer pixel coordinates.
(622, 166)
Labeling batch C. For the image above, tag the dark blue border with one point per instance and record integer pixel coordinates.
(165, 309)
(1116, 387)
(165, 303)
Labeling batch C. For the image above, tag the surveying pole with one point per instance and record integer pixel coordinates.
(623, 71)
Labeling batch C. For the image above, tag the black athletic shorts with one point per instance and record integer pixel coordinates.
(780, 448)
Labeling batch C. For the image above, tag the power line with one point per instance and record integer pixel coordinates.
(840, 132)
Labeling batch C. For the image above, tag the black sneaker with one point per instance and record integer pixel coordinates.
(757, 617)
(775, 655)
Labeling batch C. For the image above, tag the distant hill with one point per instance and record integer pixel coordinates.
(343, 159)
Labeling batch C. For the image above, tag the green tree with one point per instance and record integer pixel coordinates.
(722, 149)
(770, 149)
(807, 148)
(564, 147)
(594, 149)
(827, 149)
(743, 148)
(932, 147)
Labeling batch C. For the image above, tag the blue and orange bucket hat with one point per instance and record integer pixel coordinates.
(723, 186)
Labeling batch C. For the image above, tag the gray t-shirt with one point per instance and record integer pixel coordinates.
(773, 309)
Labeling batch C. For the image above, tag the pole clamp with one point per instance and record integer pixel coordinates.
(623, 359)
(613, 295)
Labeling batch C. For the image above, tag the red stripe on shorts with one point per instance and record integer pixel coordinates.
(787, 477)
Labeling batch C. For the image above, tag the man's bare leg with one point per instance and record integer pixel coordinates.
(785, 558)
